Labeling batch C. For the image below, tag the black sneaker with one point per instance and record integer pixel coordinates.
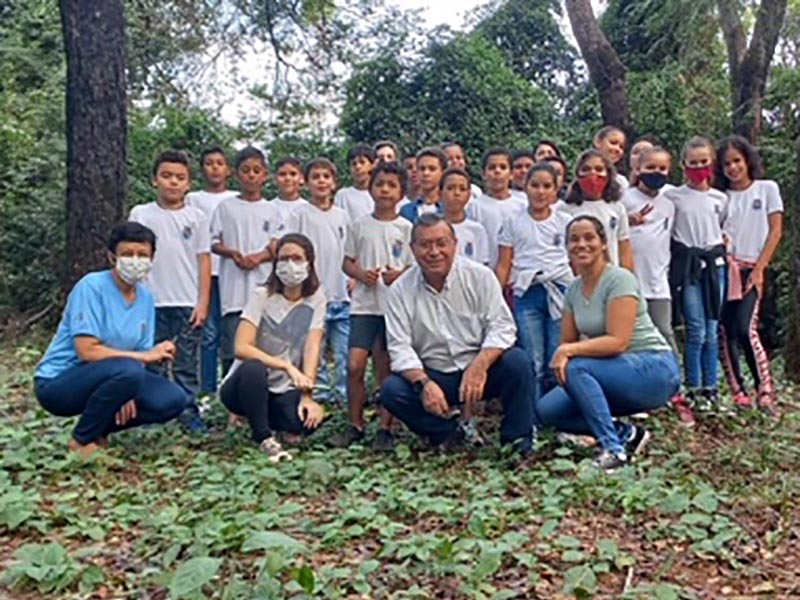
(610, 461)
(453, 443)
(346, 439)
(707, 400)
(636, 441)
(384, 441)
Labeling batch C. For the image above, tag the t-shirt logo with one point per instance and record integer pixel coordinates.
(397, 248)
(666, 223)
(717, 209)
(266, 226)
(187, 232)
(468, 249)
(341, 232)
(757, 204)
(557, 240)
(612, 223)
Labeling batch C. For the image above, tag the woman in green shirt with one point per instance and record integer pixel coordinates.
(612, 360)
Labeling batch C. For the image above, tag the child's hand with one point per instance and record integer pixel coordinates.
(369, 276)
(351, 285)
(238, 258)
(250, 262)
(639, 218)
(389, 275)
(199, 316)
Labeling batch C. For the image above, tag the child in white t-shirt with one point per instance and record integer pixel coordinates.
(473, 243)
(289, 179)
(216, 172)
(181, 276)
(754, 224)
(243, 232)
(326, 226)
(377, 251)
(356, 200)
(533, 259)
(457, 159)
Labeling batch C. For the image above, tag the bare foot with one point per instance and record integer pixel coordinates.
(85, 450)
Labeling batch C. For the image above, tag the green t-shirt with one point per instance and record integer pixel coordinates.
(590, 315)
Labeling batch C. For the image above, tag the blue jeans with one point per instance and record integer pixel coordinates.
(209, 351)
(539, 335)
(510, 378)
(97, 390)
(598, 389)
(172, 323)
(337, 333)
(702, 345)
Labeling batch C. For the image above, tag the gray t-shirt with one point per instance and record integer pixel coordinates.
(591, 314)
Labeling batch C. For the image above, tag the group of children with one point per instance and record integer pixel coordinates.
(699, 250)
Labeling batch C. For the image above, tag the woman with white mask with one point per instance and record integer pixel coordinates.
(95, 364)
(277, 349)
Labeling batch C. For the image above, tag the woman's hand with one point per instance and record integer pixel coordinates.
(560, 362)
(300, 380)
(755, 280)
(162, 351)
(310, 412)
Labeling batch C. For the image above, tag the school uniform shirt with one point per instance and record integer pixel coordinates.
(377, 244)
(520, 194)
(248, 227)
(540, 249)
(698, 216)
(208, 202)
(473, 243)
(446, 330)
(288, 209)
(492, 213)
(181, 236)
(747, 219)
(623, 182)
(357, 203)
(613, 217)
(97, 308)
(327, 230)
(650, 241)
(282, 330)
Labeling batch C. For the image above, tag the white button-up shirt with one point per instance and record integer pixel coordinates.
(446, 330)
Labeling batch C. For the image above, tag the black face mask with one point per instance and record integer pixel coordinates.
(653, 180)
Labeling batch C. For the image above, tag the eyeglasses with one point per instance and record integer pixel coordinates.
(439, 244)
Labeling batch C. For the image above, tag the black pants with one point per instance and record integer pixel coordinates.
(245, 393)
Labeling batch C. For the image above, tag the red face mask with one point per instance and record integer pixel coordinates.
(699, 175)
(593, 185)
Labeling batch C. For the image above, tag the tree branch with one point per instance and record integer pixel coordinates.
(732, 31)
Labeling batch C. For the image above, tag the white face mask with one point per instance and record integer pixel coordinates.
(292, 273)
(133, 269)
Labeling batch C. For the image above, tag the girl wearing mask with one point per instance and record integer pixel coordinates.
(278, 350)
(94, 367)
(754, 223)
(697, 268)
(596, 192)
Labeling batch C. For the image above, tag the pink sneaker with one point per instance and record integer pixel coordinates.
(684, 410)
(742, 400)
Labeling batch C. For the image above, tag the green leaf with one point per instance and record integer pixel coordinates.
(488, 565)
(573, 556)
(273, 540)
(706, 501)
(568, 541)
(607, 549)
(192, 575)
(305, 577)
(580, 581)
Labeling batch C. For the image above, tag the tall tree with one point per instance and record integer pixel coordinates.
(94, 39)
(606, 70)
(749, 63)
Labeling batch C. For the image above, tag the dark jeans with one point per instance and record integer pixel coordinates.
(511, 378)
(209, 351)
(97, 390)
(230, 323)
(172, 323)
(245, 393)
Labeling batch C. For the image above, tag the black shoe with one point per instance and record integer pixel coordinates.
(610, 461)
(452, 443)
(384, 441)
(346, 439)
(636, 441)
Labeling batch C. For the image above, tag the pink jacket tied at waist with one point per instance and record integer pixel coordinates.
(735, 283)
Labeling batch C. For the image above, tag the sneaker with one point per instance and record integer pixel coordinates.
(453, 443)
(193, 423)
(742, 400)
(350, 436)
(708, 400)
(683, 407)
(610, 461)
(767, 404)
(274, 451)
(637, 440)
(384, 441)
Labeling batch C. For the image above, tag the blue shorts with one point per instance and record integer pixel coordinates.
(365, 330)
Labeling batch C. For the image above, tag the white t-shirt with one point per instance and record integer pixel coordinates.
(492, 213)
(403, 201)
(623, 182)
(613, 217)
(540, 248)
(698, 216)
(520, 195)
(248, 227)
(287, 209)
(327, 230)
(282, 330)
(747, 219)
(650, 241)
(356, 203)
(181, 236)
(375, 244)
(208, 202)
(473, 243)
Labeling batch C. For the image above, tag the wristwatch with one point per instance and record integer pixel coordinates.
(420, 384)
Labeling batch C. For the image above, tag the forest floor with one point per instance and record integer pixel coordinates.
(706, 513)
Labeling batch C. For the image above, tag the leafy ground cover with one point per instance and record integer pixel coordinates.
(709, 513)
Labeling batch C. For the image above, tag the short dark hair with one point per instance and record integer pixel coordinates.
(495, 151)
(386, 144)
(392, 168)
(172, 156)
(212, 150)
(547, 142)
(131, 231)
(755, 168)
(359, 151)
(613, 191)
(429, 220)
(598, 226)
(434, 152)
(289, 160)
(320, 163)
(542, 167)
(517, 154)
(249, 152)
(311, 284)
(558, 159)
(454, 171)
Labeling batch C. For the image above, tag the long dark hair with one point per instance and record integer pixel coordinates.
(755, 169)
(311, 284)
(613, 191)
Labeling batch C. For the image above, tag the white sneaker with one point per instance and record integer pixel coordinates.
(273, 449)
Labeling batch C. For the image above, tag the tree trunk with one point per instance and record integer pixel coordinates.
(792, 349)
(606, 70)
(749, 64)
(94, 40)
